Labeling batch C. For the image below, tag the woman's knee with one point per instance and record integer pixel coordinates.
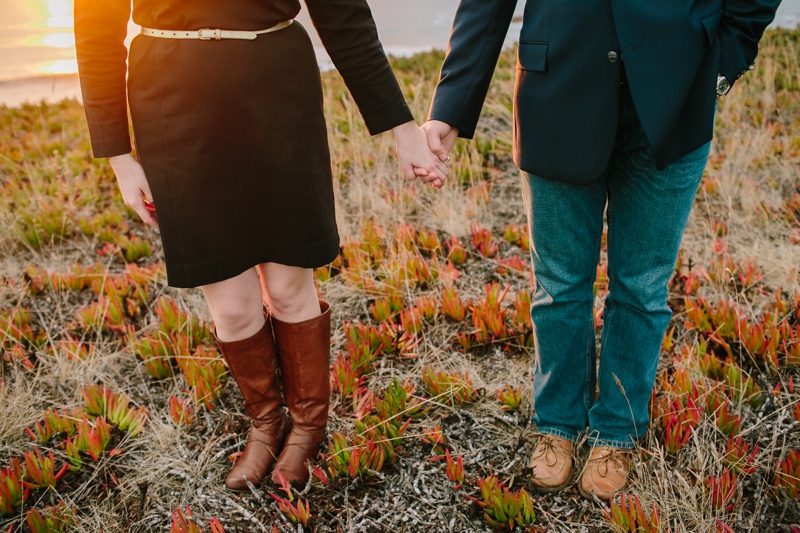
(289, 289)
(233, 316)
(236, 305)
(286, 296)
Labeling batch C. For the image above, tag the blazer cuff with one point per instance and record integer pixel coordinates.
(386, 119)
(111, 147)
(465, 131)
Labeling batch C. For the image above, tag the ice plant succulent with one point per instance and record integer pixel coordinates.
(435, 438)
(510, 397)
(13, 493)
(53, 423)
(482, 240)
(722, 491)
(728, 423)
(627, 516)
(739, 457)
(503, 508)
(451, 389)
(787, 477)
(53, 519)
(181, 411)
(183, 523)
(385, 309)
(452, 305)
(455, 469)
(154, 352)
(40, 471)
(395, 401)
(206, 374)
(517, 234)
(679, 424)
(346, 380)
(299, 513)
(124, 416)
(361, 456)
(456, 253)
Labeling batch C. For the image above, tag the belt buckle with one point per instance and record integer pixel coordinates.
(205, 37)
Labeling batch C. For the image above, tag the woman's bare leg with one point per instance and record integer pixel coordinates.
(248, 346)
(291, 294)
(236, 306)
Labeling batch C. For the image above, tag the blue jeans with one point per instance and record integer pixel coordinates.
(647, 211)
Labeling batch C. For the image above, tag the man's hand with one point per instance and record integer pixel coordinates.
(134, 187)
(441, 138)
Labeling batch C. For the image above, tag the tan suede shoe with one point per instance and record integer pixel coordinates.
(551, 463)
(605, 473)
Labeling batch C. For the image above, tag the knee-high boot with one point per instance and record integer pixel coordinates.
(253, 364)
(304, 350)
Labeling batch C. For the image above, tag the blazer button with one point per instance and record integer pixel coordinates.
(613, 56)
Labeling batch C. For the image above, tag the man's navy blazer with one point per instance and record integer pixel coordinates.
(570, 56)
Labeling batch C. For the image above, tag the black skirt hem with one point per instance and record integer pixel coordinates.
(191, 276)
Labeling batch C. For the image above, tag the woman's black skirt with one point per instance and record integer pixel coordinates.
(232, 138)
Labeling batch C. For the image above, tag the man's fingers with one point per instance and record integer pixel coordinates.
(435, 145)
(420, 172)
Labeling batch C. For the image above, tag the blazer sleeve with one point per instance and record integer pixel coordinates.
(100, 28)
(348, 32)
(477, 38)
(743, 24)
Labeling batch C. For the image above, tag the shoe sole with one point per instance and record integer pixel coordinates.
(557, 488)
(239, 491)
(593, 496)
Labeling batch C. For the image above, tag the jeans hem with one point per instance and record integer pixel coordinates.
(621, 444)
(558, 432)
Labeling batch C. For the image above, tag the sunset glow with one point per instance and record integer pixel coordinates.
(60, 40)
(64, 66)
(59, 13)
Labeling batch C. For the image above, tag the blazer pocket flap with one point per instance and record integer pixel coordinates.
(711, 25)
(532, 56)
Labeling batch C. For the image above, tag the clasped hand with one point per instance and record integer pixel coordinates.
(424, 152)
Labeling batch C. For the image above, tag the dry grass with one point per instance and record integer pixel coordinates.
(50, 184)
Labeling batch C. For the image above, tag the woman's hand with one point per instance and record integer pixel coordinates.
(416, 157)
(134, 187)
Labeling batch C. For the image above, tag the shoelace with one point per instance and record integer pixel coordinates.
(615, 455)
(550, 445)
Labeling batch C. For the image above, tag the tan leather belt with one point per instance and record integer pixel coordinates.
(208, 34)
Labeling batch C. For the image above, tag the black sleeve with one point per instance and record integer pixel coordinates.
(479, 31)
(348, 32)
(100, 28)
(743, 24)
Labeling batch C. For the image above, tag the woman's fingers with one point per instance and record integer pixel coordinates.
(137, 203)
(420, 172)
(443, 169)
(134, 188)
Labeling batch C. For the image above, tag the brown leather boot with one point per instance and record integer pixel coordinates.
(551, 463)
(605, 473)
(304, 351)
(252, 363)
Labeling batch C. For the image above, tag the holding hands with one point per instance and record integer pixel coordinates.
(423, 152)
